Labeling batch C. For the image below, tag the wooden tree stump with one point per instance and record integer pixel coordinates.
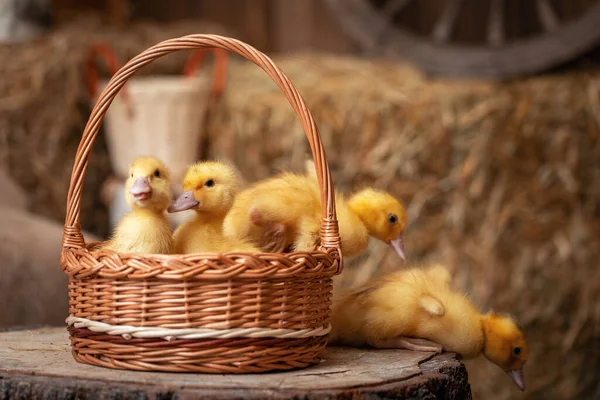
(38, 364)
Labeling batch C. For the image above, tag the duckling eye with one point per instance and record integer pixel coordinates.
(392, 219)
(157, 173)
(517, 351)
(209, 183)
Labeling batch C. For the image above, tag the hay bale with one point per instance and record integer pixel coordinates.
(44, 107)
(500, 182)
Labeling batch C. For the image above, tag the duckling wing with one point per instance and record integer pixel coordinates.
(438, 274)
(432, 306)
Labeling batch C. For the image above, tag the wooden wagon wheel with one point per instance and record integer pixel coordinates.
(558, 32)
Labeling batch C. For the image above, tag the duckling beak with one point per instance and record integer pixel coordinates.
(141, 189)
(518, 377)
(183, 202)
(398, 245)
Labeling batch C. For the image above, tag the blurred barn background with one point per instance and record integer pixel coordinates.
(482, 116)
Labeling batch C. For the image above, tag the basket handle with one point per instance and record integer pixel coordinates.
(329, 233)
(220, 68)
(91, 73)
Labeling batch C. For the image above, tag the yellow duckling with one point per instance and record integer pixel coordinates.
(148, 192)
(416, 309)
(210, 188)
(285, 212)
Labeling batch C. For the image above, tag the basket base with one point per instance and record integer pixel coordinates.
(205, 356)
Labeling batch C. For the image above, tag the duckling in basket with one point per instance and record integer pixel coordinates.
(416, 309)
(145, 229)
(210, 188)
(284, 212)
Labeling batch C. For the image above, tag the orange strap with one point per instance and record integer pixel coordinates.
(220, 69)
(192, 65)
(112, 62)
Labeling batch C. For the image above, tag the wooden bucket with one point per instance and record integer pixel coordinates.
(208, 312)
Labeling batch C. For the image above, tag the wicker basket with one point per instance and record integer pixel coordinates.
(220, 313)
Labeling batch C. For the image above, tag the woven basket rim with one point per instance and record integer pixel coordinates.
(83, 263)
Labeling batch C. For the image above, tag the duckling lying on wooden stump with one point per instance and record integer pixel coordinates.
(416, 309)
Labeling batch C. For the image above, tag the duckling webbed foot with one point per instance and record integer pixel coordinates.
(308, 237)
(273, 239)
(408, 343)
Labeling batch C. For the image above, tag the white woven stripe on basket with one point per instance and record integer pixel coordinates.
(128, 331)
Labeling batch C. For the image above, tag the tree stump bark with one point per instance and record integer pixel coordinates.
(38, 364)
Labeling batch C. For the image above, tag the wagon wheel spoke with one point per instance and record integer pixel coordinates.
(389, 11)
(393, 7)
(444, 26)
(547, 15)
(495, 33)
(374, 25)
